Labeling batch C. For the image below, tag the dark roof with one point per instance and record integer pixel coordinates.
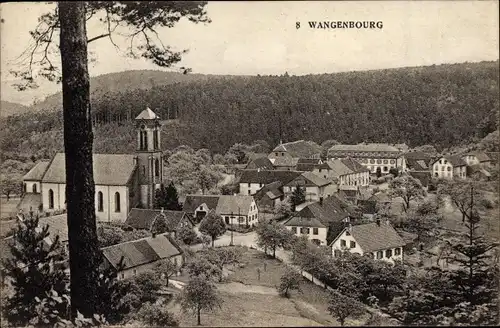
(253, 156)
(308, 164)
(285, 161)
(372, 237)
(331, 210)
(300, 148)
(309, 179)
(417, 164)
(417, 155)
(109, 169)
(141, 251)
(37, 172)
(301, 221)
(268, 176)
(193, 201)
(365, 150)
(354, 165)
(139, 218)
(481, 156)
(262, 163)
(273, 190)
(454, 160)
(424, 177)
(368, 206)
(494, 156)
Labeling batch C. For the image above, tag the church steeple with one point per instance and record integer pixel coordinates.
(149, 159)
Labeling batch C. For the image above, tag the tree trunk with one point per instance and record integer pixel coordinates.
(199, 316)
(342, 321)
(274, 252)
(213, 241)
(84, 257)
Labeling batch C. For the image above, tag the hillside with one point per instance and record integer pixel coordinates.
(444, 105)
(8, 108)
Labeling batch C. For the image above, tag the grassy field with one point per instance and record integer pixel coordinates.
(250, 301)
(8, 208)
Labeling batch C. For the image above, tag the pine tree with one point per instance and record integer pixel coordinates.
(167, 198)
(298, 196)
(34, 271)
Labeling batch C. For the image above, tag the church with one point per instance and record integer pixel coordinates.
(122, 181)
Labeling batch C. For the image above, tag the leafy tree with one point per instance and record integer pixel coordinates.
(159, 225)
(200, 266)
(230, 158)
(156, 316)
(145, 286)
(458, 192)
(34, 273)
(166, 269)
(219, 159)
(186, 234)
(182, 166)
(298, 196)
(289, 281)
(408, 188)
(394, 171)
(239, 150)
(205, 155)
(167, 198)
(342, 307)
(223, 256)
(283, 210)
(260, 146)
(274, 235)
(212, 225)
(378, 172)
(69, 21)
(10, 186)
(200, 294)
(207, 178)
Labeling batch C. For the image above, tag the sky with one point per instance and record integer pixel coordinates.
(250, 38)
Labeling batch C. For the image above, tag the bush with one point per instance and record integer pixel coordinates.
(486, 203)
(156, 316)
(240, 228)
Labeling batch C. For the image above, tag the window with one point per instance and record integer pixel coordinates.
(379, 161)
(372, 161)
(249, 192)
(386, 161)
(353, 244)
(117, 202)
(123, 275)
(315, 231)
(156, 140)
(442, 168)
(304, 231)
(51, 199)
(227, 219)
(343, 243)
(445, 162)
(440, 161)
(337, 253)
(144, 170)
(240, 219)
(448, 168)
(397, 251)
(388, 253)
(386, 169)
(100, 202)
(276, 154)
(380, 254)
(393, 161)
(135, 272)
(347, 233)
(145, 140)
(294, 230)
(249, 185)
(157, 167)
(34, 188)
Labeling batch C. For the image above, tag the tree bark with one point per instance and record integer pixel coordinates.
(199, 316)
(84, 257)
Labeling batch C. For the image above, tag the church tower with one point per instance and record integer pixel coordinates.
(149, 159)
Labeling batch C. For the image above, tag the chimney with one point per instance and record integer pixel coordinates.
(378, 222)
(161, 210)
(321, 200)
(349, 227)
(258, 169)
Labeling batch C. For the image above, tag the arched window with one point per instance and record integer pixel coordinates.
(100, 202)
(51, 199)
(157, 167)
(141, 141)
(34, 188)
(117, 202)
(156, 140)
(145, 140)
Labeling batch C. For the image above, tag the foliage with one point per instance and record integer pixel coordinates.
(111, 235)
(11, 185)
(240, 151)
(201, 266)
(34, 273)
(222, 256)
(159, 225)
(156, 316)
(342, 307)
(186, 234)
(200, 294)
(143, 287)
(212, 225)
(207, 178)
(166, 269)
(298, 196)
(274, 235)
(283, 210)
(167, 198)
(290, 280)
(408, 188)
(459, 192)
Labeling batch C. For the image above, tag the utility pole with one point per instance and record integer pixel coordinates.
(231, 244)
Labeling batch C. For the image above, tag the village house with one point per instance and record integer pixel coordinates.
(286, 155)
(122, 181)
(449, 167)
(237, 209)
(419, 166)
(270, 196)
(315, 186)
(321, 220)
(378, 240)
(141, 255)
(344, 172)
(252, 181)
(477, 158)
(139, 218)
(308, 164)
(260, 163)
(32, 198)
(374, 156)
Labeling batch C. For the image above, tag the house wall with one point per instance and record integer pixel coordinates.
(372, 163)
(444, 170)
(460, 172)
(250, 216)
(337, 245)
(59, 190)
(470, 160)
(321, 236)
(355, 179)
(247, 189)
(108, 213)
(28, 187)
(313, 193)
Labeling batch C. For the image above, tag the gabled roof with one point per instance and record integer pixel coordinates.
(192, 202)
(370, 147)
(307, 164)
(454, 160)
(37, 172)
(372, 237)
(139, 218)
(285, 161)
(424, 177)
(301, 221)
(147, 114)
(417, 164)
(141, 251)
(311, 179)
(232, 204)
(481, 156)
(417, 155)
(272, 190)
(268, 176)
(354, 165)
(331, 210)
(262, 163)
(494, 156)
(300, 148)
(253, 156)
(109, 169)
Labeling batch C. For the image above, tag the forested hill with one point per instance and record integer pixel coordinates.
(442, 105)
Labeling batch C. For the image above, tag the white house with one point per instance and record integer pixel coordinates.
(296, 149)
(237, 209)
(477, 158)
(344, 172)
(377, 240)
(314, 185)
(252, 181)
(449, 167)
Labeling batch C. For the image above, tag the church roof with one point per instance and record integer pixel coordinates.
(36, 173)
(147, 114)
(139, 218)
(109, 169)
